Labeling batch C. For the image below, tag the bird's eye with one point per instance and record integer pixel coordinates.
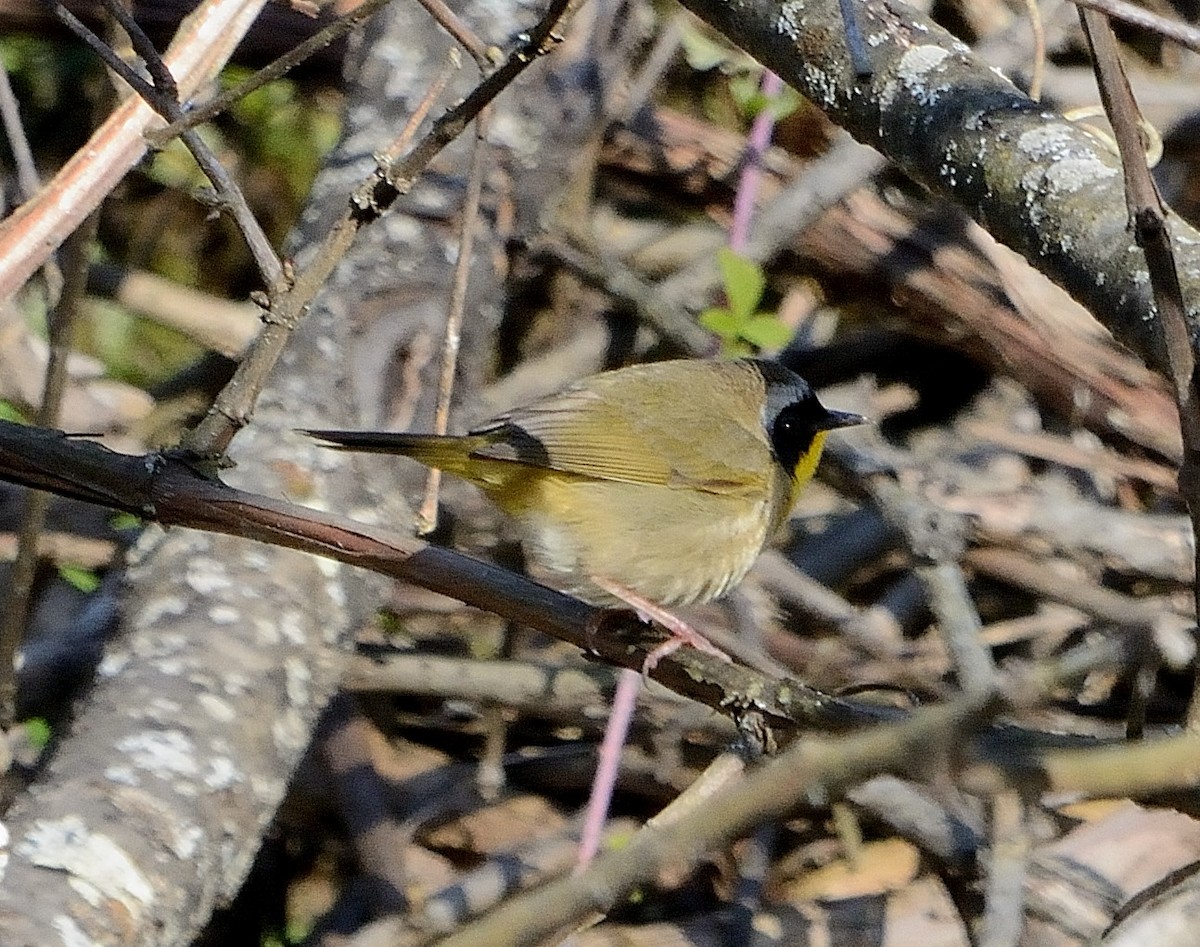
(792, 434)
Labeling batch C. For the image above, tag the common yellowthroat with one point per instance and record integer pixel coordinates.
(655, 485)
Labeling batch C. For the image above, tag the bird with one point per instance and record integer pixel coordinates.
(655, 485)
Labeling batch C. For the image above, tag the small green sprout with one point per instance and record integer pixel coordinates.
(741, 326)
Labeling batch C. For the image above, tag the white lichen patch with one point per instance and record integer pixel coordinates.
(298, 679)
(289, 732)
(217, 707)
(1061, 166)
(330, 568)
(163, 707)
(91, 859)
(913, 76)
(163, 606)
(186, 842)
(222, 773)
(1047, 142)
(791, 19)
(70, 933)
(266, 632)
(267, 789)
(292, 627)
(207, 576)
(223, 615)
(336, 593)
(823, 88)
(165, 754)
(236, 683)
(113, 663)
(122, 776)
(256, 559)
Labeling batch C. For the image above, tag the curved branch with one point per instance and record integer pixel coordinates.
(1047, 188)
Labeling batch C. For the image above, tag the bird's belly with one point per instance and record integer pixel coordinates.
(671, 546)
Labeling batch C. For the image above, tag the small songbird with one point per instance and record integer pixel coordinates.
(655, 485)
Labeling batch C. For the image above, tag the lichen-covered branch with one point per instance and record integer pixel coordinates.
(1046, 187)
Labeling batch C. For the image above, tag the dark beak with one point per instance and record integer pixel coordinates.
(836, 419)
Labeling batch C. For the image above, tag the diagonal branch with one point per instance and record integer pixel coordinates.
(1047, 188)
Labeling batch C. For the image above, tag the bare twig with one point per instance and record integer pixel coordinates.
(937, 539)
(469, 226)
(62, 322)
(1182, 33)
(163, 96)
(1038, 74)
(166, 101)
(855, 44)
(200, 48)
(824, 768)
(1148, 220)
(1002, 921)
(269, 73)
(392, 179)
(453, 24)
(14, 131)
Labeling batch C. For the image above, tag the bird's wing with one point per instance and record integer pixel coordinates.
(579, 431)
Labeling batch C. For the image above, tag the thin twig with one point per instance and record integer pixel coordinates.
(1039, 50)
(937, 539)
(62, 321)
(269, 73)
(469, 226)
(1182, 33)
(233, 404)
(201, 46)
(1004, 916)
(163, 96)
(854, 41)
(462, 33)
(27, 176)
(392, 179)
(165, 100)
(772, 792)
(1148, 220)
(28, 180)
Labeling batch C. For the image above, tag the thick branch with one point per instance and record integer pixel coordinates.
(1045, 187)
(166, 489)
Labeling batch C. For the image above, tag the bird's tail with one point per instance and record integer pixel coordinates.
(449, 453)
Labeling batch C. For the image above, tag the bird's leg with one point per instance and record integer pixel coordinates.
(681, 632)
(621, 715)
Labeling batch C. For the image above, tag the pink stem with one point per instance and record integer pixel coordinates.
(747, 192)
(607, 764)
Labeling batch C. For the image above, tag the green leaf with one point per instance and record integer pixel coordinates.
(784, 104)
(702, 53)
(121, 521)
(766, 331)
(744, 283)
(83, 579)
(722, 322)
(745, 89)
(10, 412)
(38, 732)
